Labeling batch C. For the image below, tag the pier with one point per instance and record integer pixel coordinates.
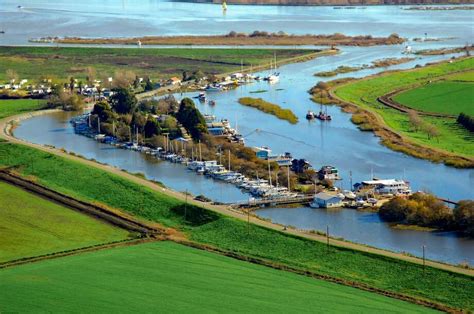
(273, 202)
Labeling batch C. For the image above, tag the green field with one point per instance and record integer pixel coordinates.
(364, 93)
(449, 97)
(32, 226)
(230, 234)
(168, 277)
(34, 63)
(17, 106)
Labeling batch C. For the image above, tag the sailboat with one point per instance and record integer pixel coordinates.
(275, 76)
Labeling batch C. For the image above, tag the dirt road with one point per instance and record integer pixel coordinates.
(5, 133)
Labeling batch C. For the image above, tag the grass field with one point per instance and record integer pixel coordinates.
(452, 96)
(17, 106)
(168, 277)
(34, 63)
(32, 226)
(364, 93)
(227, 233)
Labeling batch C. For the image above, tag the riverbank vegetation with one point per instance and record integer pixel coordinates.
(58, 64)
(267, 107)
(239, 39)
(172, 277)
(427, 211)
(31, 225)
(450, 143)
(229, 234)
(375, 64)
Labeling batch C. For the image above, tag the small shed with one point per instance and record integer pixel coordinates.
(326, 200)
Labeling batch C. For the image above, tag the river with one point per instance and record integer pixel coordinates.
(338, 143)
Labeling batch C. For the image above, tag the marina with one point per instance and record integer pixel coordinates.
(357, 155)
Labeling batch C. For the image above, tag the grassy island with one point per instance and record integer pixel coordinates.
(267, 107)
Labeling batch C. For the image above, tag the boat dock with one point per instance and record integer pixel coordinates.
(264, 202)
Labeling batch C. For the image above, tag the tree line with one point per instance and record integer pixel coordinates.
(426, 210)
(466, 121)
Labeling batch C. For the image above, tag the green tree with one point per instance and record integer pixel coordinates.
(192, 120)
(103, 110)
(151, 128)
(148, 85)
(123, 101)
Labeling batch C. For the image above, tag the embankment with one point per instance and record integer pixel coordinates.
(257, 38)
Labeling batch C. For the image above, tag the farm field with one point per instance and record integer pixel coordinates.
(452, 137)
(449, 97)
(35, 63)
(17, 106)
(32, 226)
(230, 234)
(176, 278)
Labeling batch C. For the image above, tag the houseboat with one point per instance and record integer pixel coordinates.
(385, 186)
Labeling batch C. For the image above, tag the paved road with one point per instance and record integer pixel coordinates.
(5, 133)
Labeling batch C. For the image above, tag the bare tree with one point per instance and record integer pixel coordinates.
(415, 120)
(123, 79)
(11, 75)
(432, 131)
(91, 75)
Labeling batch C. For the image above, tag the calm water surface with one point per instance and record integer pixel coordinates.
(338, 143)
(94, 18)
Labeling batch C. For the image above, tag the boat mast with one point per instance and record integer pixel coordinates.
(98, 124)
(289, 179)
(200, 152)
(229, 159)
(269, 171)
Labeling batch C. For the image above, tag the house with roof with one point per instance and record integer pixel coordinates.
(326, 200)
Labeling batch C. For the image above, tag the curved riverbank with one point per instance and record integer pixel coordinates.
(371, 117)
(6, 126)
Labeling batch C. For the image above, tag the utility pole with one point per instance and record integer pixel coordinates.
(327, 237)
(424, 262)
(248, 218)
(186, 205)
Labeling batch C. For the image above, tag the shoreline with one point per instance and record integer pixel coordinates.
(390, 137)
(258, 38)
(6, 128)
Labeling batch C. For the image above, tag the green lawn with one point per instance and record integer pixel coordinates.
(32, 226)
(168, 277)
(17, 106)
(34, 63)
(227, 233)
(446, 97)
(364, 93)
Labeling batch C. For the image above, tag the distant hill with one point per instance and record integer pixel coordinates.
(336, 2)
